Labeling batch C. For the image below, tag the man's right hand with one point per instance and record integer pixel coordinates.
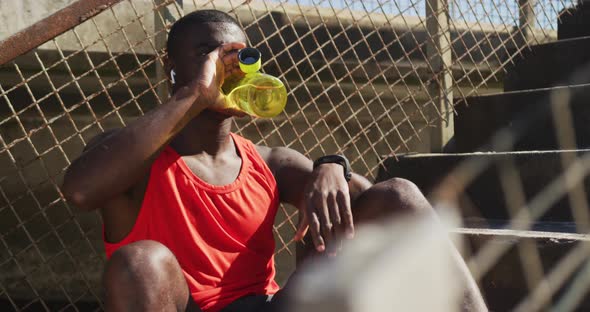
(213, 69)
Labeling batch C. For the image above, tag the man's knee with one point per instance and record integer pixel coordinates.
(144, 273)
(394, 196)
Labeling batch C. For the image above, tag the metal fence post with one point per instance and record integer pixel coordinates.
(527, 18)
(161, 17)
(440, 59)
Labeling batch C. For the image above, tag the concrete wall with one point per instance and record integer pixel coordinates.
(15, 15)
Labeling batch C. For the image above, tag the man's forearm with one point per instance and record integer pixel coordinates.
(117, 162)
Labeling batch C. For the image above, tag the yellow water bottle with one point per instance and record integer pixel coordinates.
(256, 94)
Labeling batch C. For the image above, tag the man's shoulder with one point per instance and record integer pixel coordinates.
(276, 153)
(281, 156)
(264, 151)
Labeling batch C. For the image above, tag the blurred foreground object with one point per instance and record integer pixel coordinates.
(403, 264)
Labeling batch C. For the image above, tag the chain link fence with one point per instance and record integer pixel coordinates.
(368, 79)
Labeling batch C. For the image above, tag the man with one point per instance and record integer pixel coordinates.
(188, 207)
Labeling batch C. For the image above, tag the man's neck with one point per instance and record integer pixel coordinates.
(208, 133)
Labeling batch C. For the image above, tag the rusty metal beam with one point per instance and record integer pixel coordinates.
(50, 27)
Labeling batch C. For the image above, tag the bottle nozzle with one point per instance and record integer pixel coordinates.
(250, 60)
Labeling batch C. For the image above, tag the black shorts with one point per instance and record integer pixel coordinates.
(248, 303)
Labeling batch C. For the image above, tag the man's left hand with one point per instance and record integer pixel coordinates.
(327, 211)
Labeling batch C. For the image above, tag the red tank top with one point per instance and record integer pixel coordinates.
(222, 236)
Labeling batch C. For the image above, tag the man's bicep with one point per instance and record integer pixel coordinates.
(134, 193)
(292, 171)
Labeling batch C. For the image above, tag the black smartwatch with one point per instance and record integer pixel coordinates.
(335, 159)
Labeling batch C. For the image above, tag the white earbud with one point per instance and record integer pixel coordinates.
(172, 76)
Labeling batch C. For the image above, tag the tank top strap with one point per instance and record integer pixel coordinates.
(255, 159)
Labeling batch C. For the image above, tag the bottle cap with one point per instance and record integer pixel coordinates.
(250, 60)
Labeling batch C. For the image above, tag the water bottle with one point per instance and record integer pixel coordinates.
(256, 94)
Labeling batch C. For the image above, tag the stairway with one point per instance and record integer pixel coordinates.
(547, 90)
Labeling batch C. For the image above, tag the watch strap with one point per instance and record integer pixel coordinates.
(335, 159)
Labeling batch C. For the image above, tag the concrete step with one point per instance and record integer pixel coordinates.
(574, 22)
(558, 63)
(484, 198)
(510, 278)
(526, 113)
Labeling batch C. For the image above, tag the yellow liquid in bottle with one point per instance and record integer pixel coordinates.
(258, 94)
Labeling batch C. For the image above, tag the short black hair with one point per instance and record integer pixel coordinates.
(181, 26)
